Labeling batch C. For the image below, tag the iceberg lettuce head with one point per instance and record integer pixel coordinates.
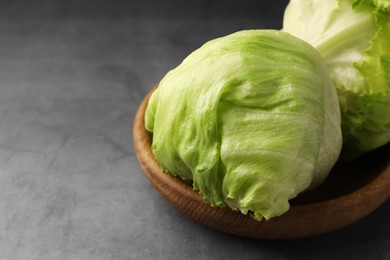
(353, 36)
(252, 119)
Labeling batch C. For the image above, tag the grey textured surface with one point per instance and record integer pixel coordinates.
(72, 74)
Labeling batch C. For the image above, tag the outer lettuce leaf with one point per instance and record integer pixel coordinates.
(382, 5)
(252, 118)
(354, 39)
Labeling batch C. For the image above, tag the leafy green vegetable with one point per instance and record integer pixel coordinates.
(252, 118)
(353, 36)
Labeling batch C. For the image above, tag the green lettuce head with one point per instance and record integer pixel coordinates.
(251, 118)
(353, 36)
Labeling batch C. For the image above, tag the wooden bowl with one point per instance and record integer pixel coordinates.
(352, 191)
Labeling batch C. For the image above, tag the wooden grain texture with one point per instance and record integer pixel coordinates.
(351, 192)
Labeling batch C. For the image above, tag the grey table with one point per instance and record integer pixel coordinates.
(72, 74)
